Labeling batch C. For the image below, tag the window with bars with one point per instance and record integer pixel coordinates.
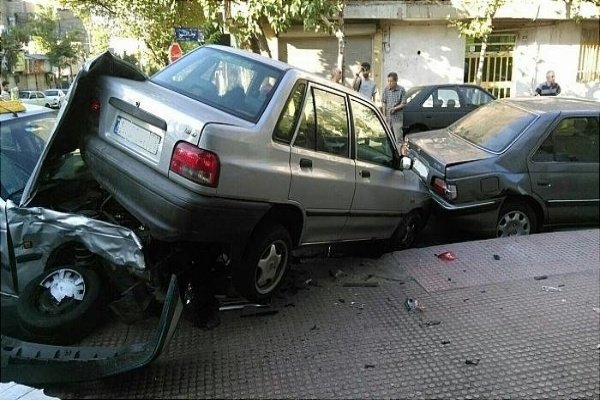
(588, 69)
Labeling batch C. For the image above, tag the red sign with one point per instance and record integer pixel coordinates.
(174, 52)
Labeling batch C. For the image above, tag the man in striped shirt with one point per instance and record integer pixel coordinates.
(548, 88)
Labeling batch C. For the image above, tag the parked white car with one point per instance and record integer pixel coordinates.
(34, 97)
(55, 96)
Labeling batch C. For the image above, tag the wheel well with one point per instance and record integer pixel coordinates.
(537, 208)
(288, 216)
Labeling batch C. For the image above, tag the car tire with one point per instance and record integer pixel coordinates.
(264, 264)
(65, 321)
(407, 231)
(516, 218)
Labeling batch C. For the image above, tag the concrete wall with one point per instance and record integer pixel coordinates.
(554, 46)
(423, 54)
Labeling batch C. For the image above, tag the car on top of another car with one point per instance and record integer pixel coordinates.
(235, 151)
(515, 166)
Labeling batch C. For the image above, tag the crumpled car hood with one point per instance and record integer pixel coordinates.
(45, 230)
(66, 137)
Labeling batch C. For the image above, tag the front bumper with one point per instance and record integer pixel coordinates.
(34, 363)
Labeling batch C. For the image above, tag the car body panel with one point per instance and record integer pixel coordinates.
(563, 193)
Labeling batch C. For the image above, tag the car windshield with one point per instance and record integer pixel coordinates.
(411, 93)
(22, 141)
(494, 126)
(229, 82)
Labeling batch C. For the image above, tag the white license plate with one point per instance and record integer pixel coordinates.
(420, 168)
(137, 135)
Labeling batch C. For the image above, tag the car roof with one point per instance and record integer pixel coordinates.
(30, 109)
(554, 104)
(441, 85)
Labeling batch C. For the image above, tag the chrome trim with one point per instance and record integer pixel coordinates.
(574, 201)
(452, 207)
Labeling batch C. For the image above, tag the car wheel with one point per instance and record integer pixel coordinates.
(516, 219)
(47, 105)
(406, 233)
(61, 305)
(264, 264)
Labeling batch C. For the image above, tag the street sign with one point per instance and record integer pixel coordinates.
(189, 34)
(175, 52)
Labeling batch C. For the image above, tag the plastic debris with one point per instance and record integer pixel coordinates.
(432, 323)
(496, 257)
(336, 274)
(551, 289)
(314, 328)
(413, 305)
(445, 342)
(446, 256)
(540, 277)
(596, 309)
(369, 366)
(472, 362)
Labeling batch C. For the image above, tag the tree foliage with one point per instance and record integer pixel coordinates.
(246, 20)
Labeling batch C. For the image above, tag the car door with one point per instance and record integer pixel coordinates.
(379, 198)
(564, 170)
(442, 107)
(321, 168)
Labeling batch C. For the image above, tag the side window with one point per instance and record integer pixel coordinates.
(573, 140)
(332, 123)
(284, 130)
(372, 142)
(306, 132)
(475, 96)
(449, 98)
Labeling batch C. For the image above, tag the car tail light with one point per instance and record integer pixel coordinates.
(441, 187)
(195, 164)
(95, 106)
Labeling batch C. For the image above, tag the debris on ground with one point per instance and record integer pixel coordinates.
(467, 299)
(413, 305)
(314, 328)
(596, 309)
(357, 304)
(445, 342)
(361, 284)
(342, 300)
(432, 323)
(540, 277)
(475, 361)
(446, 256)
(336, 274)
(496, 257)
(551, 289)
(290, 305)
(369, 366)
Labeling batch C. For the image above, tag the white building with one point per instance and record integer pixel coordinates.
(415, 40)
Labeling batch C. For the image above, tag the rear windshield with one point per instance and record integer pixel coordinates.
(229, 82)
(494, 126)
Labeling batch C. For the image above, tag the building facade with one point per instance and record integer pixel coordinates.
(416, 40)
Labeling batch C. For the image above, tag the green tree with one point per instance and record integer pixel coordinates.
(11, 44)
(245, 20)
(479, 27)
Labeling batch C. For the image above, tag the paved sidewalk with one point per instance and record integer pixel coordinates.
(341, 329)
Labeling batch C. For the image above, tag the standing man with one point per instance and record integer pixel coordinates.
(363, 83)
(336, 75)
(5, 94)
(548, 88)
(393, 96)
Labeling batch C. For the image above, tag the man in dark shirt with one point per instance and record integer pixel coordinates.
(548, 88)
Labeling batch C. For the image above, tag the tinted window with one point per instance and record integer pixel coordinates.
(494, 126)
(51, 92)
(284, 130)
(412, 93)
(372, 142)
(22, 141)
(226, 81)
(306, 131)
(332, 123)
(573, 140)
(475, 96)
